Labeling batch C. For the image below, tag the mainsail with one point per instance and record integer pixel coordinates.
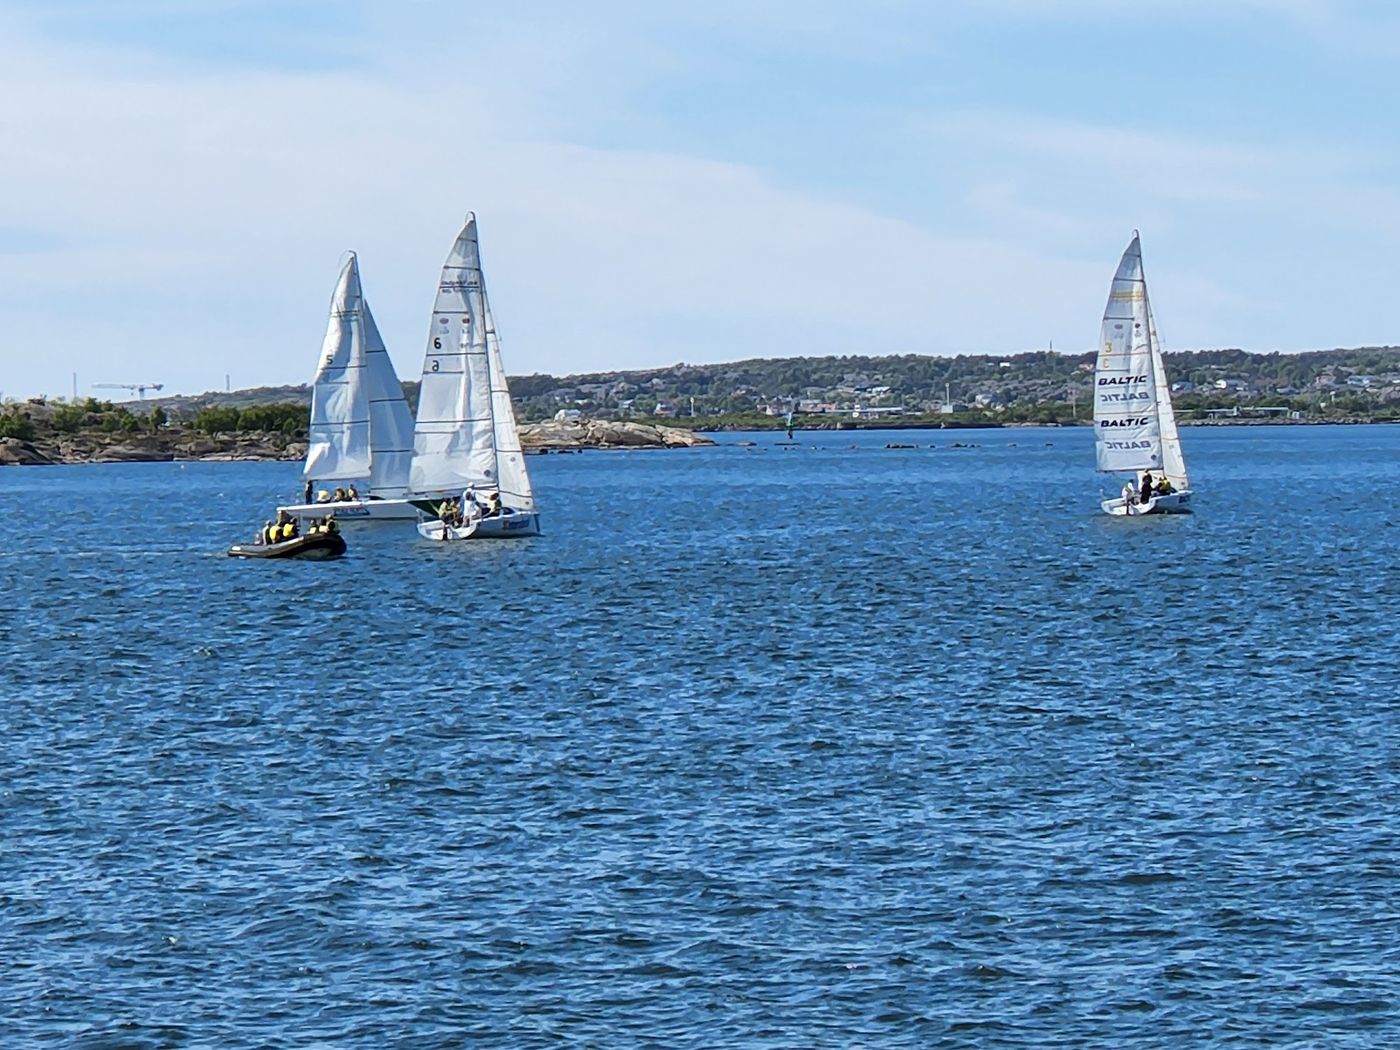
(360, 428)
(1127, 430)
(465, 432)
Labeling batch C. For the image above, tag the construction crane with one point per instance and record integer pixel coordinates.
(139, 389)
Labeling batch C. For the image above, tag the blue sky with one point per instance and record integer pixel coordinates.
(658, 182)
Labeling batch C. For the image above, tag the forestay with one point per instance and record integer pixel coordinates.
(1126, 428)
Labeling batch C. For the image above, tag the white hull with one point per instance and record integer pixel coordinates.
(1168, 503)
(512, 523)
(356, 510)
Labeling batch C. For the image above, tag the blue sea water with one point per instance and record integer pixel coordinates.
(829, 745)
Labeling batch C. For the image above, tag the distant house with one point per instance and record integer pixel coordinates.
(1183, 386)
(565, 414)
(1361, 380)
(1233, 386)
(876, 412)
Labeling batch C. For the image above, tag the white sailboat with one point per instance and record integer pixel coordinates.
(1134, 425)
(361, 430)
(465, 443)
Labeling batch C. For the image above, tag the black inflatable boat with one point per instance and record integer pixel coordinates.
(314, 546)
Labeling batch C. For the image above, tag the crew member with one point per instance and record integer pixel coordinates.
(1146, 486)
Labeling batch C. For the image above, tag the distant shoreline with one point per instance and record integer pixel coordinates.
(184, 444)
(990, 424)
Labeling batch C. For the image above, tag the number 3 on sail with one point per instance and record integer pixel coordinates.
(1134, 426)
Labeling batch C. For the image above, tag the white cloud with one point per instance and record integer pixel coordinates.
(199, 220)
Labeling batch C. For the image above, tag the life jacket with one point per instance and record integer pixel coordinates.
(287, 531)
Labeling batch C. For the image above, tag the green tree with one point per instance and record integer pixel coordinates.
(16, 425)
(68, 418)
(216, 420)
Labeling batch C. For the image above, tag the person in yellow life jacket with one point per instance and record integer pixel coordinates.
(265, 536)
(445, 511)
(287, 531)
(330, 525)
(493, 504)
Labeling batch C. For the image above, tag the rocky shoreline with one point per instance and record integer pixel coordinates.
(184, 444)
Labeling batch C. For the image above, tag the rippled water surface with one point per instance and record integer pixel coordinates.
(835, 745)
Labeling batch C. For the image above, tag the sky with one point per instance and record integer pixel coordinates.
(658, 182)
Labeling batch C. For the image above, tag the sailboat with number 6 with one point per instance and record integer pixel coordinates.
(1134, 425)
(466, 449)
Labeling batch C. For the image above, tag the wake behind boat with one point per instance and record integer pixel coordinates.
(361, 429)
(1134, 425)
(465, 442)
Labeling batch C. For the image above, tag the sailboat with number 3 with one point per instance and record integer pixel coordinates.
(1134, 425)
(465, 442)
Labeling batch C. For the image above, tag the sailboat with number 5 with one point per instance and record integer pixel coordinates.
(1134, 425)
(466, 449)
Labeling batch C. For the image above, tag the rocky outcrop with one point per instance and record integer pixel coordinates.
(605, 433)
(14, 452)
(132, 454)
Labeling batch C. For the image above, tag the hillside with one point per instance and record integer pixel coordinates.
(1358, 380)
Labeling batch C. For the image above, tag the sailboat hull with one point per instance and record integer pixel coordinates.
(356, 510)
(1168, 503)
(505, 526)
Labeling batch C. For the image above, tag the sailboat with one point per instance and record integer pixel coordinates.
(361, 430)
(465, 444)
(1134, 425)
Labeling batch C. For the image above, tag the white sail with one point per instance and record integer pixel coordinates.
(513, 478)
(338, 441)
(465, 432)
(390, 421)
(361, 428)
(1127, 430)
(1173, 463)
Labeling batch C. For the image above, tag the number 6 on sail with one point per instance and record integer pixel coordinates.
(1134, 426)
